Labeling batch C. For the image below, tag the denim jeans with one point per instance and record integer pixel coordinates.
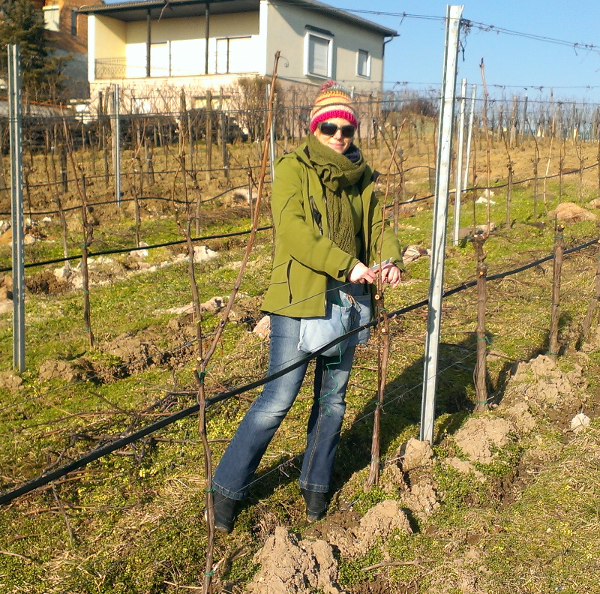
(239, 462)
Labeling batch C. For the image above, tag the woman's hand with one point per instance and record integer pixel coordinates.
(391, 274)
(361, 274)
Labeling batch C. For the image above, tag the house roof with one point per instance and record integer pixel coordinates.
(166, 9)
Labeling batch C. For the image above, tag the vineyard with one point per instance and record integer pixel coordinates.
(113, 349)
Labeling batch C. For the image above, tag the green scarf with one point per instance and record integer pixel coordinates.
(337, 173)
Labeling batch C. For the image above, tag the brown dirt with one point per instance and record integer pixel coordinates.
(525, 404)
(46, 283)
(10, 381)
(295, 567)
(68, 371)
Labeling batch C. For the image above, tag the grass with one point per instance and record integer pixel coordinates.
(132, 522)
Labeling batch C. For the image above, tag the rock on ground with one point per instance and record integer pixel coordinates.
(414, 252)
(203, 253)
(579, 422)
(571, 212)
(263, 328)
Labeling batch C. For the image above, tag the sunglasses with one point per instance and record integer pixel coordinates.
(330, 129)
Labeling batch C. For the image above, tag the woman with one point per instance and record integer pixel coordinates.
(328, 227)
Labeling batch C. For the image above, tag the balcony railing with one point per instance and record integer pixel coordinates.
(107, 68)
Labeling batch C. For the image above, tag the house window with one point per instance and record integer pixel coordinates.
(234, 55)
(74, 23)
(51, 18)
(363, 64)
(318, 51)
(160, 59)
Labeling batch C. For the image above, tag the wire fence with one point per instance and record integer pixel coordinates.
(123, 441)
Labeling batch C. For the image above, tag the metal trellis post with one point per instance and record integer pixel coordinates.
(116, 144)
(16, 183)
(458, 183)
(442, 182)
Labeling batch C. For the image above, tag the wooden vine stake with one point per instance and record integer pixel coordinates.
(553, 346)
(479, 376)
(591, 311)
(383, 351)
(204, 358)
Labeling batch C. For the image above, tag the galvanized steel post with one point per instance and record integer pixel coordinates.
(440, 219)
(117, 143)
(470, 135)
(16, 193)
(459, 160)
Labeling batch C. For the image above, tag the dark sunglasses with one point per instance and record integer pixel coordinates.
(330, 129)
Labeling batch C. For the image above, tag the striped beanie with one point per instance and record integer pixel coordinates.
(333, 101)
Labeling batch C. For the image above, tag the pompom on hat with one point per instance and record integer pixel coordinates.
(333, 101)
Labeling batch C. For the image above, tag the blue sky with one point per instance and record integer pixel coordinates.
(513, 64)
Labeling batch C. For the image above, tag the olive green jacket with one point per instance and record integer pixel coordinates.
(304, 254)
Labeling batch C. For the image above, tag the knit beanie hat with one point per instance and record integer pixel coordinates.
(333, 101)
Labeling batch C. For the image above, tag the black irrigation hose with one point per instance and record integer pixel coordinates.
(105, 202)
(134, 249)
(44, 479)
(124, 250)
(126, 174)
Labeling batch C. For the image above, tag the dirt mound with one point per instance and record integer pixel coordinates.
(481, 437)
(136, 351)
(9, 381)
(539, 389)
(353, 536)
(247, 311)
(6, 303)
(69, 371)
(292, 566)
(46, 282)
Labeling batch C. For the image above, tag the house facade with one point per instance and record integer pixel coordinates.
(153, 49)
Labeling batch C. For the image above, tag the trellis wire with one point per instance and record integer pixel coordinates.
(123, 441)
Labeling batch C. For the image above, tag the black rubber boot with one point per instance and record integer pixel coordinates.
(316, 504)
(224, 511)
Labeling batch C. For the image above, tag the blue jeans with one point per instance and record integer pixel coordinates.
(236, 469)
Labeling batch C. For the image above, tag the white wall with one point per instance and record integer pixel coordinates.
(184, 44)
(286, 32)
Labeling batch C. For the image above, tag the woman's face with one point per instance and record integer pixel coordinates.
(336, 142)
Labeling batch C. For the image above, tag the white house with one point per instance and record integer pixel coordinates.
(196, 45)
